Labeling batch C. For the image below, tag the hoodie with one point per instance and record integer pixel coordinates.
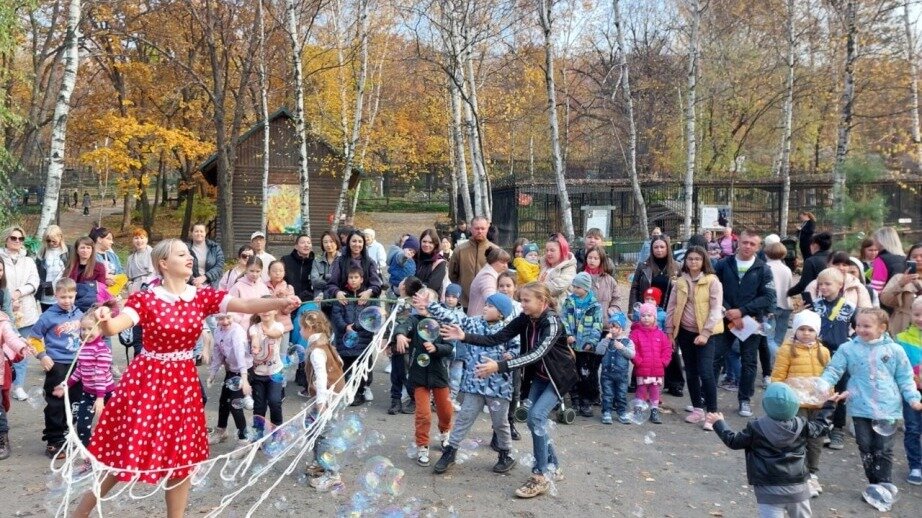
(60, 331)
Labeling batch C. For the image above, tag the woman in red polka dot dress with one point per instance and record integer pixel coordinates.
(155, 422)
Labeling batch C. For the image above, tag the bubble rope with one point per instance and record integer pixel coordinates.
(235, 463)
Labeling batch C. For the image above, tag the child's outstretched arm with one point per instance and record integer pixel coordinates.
(822, 422)
(836, 367)
(447, 316)
(733, 440)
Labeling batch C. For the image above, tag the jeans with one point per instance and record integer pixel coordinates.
(699, 369)
(83, 415)
(399, 380)
(55, 412)
(876, 451)
(733, 364)
(911, 437)
(766, 357)
(795, 510)
(749, 355)
(226, 410)
(266, 393)
(614, 390)
(20, 368)
(544, 398)
(4, 422)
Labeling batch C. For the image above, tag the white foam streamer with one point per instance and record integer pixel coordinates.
(69, 477)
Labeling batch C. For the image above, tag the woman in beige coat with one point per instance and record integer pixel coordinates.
(900, 291)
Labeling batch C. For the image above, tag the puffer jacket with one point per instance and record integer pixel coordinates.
(13, 348)
(797, 360)
(583, 319)
(544, 344)
(525, 271)
(652, 351)
(775, 450)
(496, 385)
(433, 375)
(22, 274)
(899, 298)
(911, 341)
(557, 278)
(880, 377)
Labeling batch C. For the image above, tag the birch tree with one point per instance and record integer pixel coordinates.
(913, 83)
(545, 18)
(263, 111)
(848, 13)
(694, 43)
(296, 42)
(61, 111)
(351, 130)
(787, 119)
(632, 127)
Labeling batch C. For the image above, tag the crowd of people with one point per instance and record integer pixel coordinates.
(536, 328)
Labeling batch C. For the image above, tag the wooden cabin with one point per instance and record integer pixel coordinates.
(325, 166)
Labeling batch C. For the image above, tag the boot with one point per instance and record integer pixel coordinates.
(836, 439)
(655, 417)
(504, 463)
(395, 407)
(409, 408)
(494, 445)
(5, 449)
(359, 399)
(585, 410)
(446, 461)
(512, 430)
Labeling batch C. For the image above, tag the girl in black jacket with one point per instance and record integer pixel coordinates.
(544, 345)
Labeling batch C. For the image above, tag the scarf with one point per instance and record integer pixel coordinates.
(595, 272)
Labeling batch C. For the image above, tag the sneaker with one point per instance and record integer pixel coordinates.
(707, 427)
(304, 393)
(5, 449)
(326, 482)
(359, 400)
(19, 394)
(242, 441)
(56, 451)
(915, 477)
(689, 408)
(624, 418)
(387, 369)
(422, 456)
(696, 417)
(730, 386)
(409, 408)
(504, 463)
(655, 416)
(606, 418)
(314, 470)
(217, 436)
(557, 475)
(536, 485)
(836, 439)
(443, 439)
(395, 407)
(745, 409)
(585, 411)
(446, 461)
(814, 484)
(766, 381)
(369, 395)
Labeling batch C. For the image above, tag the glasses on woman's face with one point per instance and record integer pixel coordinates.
(17, 238)
(245, 257)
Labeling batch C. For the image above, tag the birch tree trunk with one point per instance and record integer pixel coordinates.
(913, 82)
(847, 104)
(457, 138)
(350, 216)
(351, 136)
(546, 20)
(691, 95)
(59, 124)
(297, 46)
(264, 111)
(787, 119)
(632, 127)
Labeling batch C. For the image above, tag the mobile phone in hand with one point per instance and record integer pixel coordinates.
(910, 267)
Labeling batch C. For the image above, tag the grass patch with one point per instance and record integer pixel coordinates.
(398, 205)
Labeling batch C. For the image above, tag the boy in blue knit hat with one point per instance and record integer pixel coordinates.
(582, 318)
(776, 446)
(617, 351)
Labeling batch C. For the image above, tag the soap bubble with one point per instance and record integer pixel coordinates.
(378, 476)
(411, 450)
(371, 319)
(233, 384)
(393, 481)
(540, 430)
(468, 444)
(372, 438)
(885, 427)
(281, 503)
(428, 329)
(495, 406)
(351, 339)
(810, 390)
(328, 461)
(242, 403)
(279, 442)
(258, 429)
(527, 460)
(640, 412)
(423, 360)
(879, 497)
(278, 377)
(36, 397)
(650, 438)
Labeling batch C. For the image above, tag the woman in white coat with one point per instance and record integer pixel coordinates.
(22, 282)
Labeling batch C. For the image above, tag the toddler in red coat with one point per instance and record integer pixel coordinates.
(652, 354)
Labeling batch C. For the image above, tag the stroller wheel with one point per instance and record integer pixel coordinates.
(566, 416)
(520, 414)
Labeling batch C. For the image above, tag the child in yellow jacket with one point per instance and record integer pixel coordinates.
(804, 357)
(528, 267)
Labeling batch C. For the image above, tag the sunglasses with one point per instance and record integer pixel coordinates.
(246, 256)
(17, 238)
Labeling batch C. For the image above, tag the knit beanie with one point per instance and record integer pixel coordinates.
(582, 280)
(502, 303)
(618, 319)
(529, 248)
(807, 318)
(780, 402)
(453, 290)
(412, 243)
(647, 309)
(655, 293)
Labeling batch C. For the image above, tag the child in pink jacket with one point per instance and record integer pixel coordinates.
(14, 349)
(652, 354)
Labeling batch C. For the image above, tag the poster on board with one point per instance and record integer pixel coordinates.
(283, 213)
(715, 216)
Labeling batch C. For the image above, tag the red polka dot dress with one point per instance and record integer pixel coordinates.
(156, 419)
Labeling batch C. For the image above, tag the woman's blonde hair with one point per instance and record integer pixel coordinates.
(162, 251)
(53, 231)
(8, 231)
(541, 292)
(888, 240)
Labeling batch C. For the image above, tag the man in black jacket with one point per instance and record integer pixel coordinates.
(820, 245)
(298, 266)
(749, 291)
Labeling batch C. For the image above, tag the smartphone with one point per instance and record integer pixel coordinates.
(910, 267)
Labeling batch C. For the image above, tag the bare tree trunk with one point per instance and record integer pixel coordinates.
(297, 45)
(457, 138)
(351, 137)
(453, 172)
(531, 158)
(264, 111)
(59, 125)
(847, 103)
(472, 117)
(545, 18)
(787, 119)
(691, 96)
(913, 82)
(350, 217)
(632, 127)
